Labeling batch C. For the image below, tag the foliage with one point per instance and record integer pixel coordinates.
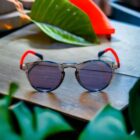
(35, 125)
(134, 107)
(63, 21)
(61, 35)
(42, 123)
(107, 124)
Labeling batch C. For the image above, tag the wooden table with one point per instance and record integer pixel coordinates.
(70, 98)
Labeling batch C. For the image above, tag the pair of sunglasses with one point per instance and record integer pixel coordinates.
(46, 76)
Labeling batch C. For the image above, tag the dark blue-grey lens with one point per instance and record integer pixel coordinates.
(45, 76)
(94, 75)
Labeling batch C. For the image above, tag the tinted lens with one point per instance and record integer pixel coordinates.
(45, 76)
(94, 75)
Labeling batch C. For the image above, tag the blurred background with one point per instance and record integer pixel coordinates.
(127, 11)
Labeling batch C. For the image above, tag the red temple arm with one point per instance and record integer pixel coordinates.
(26, 53)
(113, 52)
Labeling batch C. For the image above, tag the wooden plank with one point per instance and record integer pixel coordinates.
(70, 97)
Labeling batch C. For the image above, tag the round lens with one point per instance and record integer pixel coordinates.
(94, 75)
(45, 76)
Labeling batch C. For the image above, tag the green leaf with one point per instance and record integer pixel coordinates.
(12, 90)
(134, 107)
(25, 120)
(6, 129)
(5, 102)
(64, 15)
(61, 35)
(39, 124)
(108, 124)
(49, 122)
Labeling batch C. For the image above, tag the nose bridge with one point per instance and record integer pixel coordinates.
(69, 65)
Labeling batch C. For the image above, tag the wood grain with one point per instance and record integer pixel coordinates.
(70, 98)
